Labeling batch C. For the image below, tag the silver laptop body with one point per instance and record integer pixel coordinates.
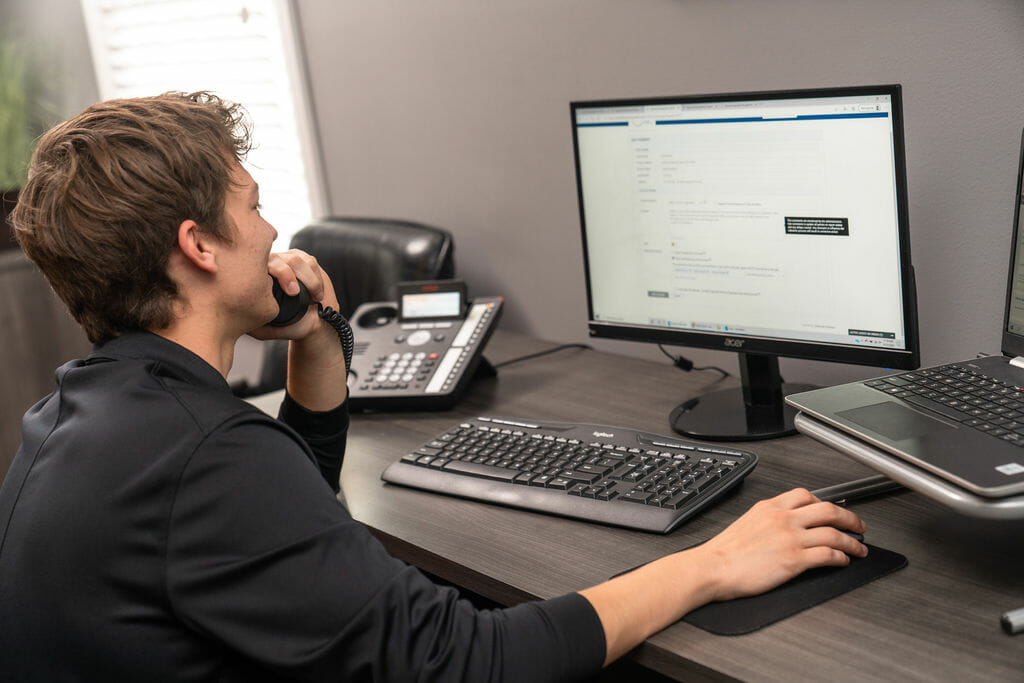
(947, 420)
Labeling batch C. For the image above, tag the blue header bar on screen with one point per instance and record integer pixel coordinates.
(748, 119)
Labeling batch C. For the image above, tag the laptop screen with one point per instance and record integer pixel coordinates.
(1013, 337)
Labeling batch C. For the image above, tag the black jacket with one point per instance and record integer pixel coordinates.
(155, 527)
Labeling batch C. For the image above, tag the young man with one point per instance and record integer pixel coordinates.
(154, 527)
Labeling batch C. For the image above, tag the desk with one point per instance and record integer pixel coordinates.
(937, 619)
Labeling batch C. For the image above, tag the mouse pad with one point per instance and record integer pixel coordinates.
(813, 587)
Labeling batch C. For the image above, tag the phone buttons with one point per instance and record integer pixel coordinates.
(440, 379)
(419, 338)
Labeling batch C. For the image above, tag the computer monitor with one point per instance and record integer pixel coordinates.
(769, 223)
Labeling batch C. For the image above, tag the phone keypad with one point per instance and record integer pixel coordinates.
(400, 371)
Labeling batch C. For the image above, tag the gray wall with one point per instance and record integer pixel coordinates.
(456, 112)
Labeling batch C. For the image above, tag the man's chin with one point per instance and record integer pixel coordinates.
(271, 313)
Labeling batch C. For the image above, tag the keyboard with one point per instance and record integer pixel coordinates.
(598, 473)
(976, 400)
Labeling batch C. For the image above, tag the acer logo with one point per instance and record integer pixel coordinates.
(607, 435)
(734, 343)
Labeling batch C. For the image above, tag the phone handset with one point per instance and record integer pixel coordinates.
(292, 308)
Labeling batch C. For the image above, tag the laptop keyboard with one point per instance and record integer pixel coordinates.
(597, 473)
(971, 398)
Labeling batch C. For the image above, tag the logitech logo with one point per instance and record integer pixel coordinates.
(734, 343)
(607, 435)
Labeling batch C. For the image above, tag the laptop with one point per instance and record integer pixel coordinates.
(961, 422)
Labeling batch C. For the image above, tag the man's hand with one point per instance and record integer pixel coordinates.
(771, 543)
(316, 365)
(777, 539)
(289, 268)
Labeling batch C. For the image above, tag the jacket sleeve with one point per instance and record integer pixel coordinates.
(326, 434)
(263, 560)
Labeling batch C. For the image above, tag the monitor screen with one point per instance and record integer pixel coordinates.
(765, 223)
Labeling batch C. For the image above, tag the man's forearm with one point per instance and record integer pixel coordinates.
(634, 606)
(316, 370)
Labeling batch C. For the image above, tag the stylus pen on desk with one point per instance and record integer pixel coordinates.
(840, 494)
(1013, 621)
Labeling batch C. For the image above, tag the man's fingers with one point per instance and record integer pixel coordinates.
(292, 266)
(794, 498)
(811, 512)
(831, 537)
(828, 514)
(823, 523)
(823, 556)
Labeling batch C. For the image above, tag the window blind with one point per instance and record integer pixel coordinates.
(246, 51)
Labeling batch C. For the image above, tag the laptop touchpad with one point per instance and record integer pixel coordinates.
(893, 420)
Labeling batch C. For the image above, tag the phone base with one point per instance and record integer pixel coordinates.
(421, 365)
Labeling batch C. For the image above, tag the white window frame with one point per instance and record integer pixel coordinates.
(285, 14)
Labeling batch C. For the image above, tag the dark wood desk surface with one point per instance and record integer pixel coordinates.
(937, 619)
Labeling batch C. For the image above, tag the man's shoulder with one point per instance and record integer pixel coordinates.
(211, 408)
(149, 392)
(173, 380)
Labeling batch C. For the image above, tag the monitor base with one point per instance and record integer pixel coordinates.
(724, 416)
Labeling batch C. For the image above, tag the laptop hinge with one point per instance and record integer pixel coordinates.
(1017, 362)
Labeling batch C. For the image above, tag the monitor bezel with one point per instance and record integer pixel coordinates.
(1013, 344)
(907, 358)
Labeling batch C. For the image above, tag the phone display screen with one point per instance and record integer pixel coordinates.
(431, 300)
(432, 305)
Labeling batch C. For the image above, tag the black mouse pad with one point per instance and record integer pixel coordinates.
(813, 587)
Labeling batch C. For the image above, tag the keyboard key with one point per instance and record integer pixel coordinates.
(578, 489)
(704, 482)
(677, 501)
(580, 476)
(637, 496)
(951, 413)
(477, 470)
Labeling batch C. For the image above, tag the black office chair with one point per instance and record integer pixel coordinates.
(365, 258)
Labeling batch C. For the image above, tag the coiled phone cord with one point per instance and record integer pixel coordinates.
(344, 330)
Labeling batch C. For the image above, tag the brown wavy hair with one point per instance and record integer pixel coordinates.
(107, 191)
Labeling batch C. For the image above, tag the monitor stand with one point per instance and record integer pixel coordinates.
(756, 410)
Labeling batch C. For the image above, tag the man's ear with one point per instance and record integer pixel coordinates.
(196, 246)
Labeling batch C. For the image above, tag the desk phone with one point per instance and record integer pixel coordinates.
(420, 352)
